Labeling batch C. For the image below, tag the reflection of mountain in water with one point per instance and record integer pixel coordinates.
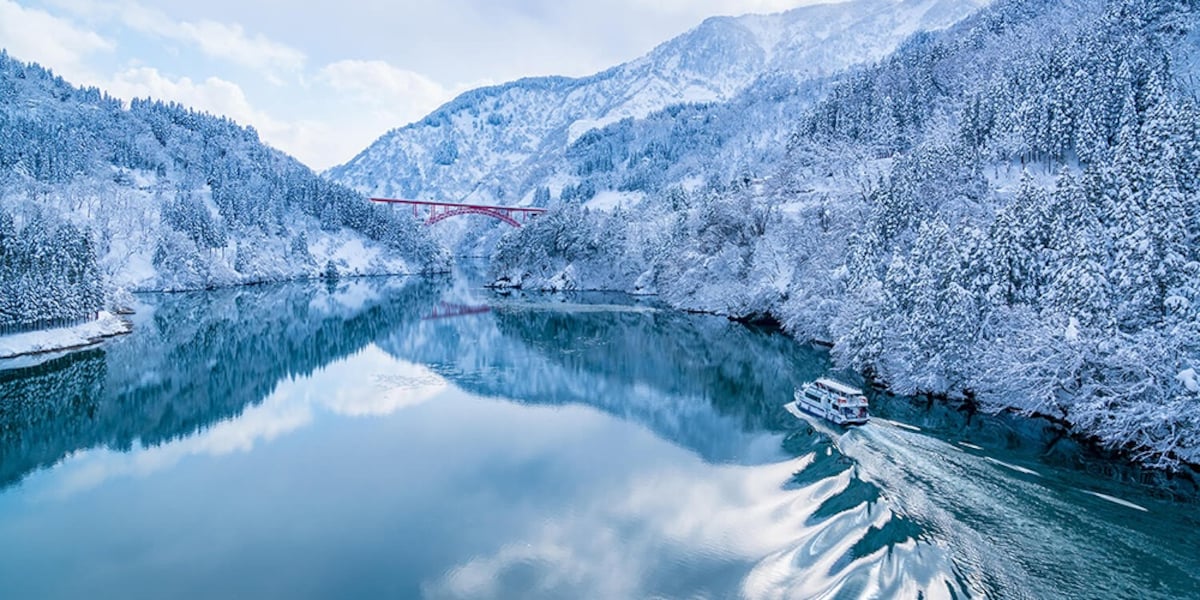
(43, 407)
(702, 382)
(195, 360)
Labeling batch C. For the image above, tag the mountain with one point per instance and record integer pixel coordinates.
(1006, 211)
(97, 196)
(499, 144)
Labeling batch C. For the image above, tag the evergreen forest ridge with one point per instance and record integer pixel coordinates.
(98, 199)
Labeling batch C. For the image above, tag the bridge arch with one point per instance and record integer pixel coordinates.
(440, 211)
(471, 210)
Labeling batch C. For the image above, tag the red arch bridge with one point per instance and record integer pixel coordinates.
(439, 211)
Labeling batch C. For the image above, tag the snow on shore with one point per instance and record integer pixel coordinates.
(63, 338)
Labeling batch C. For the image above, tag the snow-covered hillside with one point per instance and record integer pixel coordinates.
(96, 196)
(500, 144)
(1006, 210)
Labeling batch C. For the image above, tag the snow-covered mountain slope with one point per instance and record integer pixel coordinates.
(1005, 210)
(154, 196)
(499, 144)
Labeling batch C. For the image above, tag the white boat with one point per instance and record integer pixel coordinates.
(833, 401)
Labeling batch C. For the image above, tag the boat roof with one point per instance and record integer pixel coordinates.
(839, 387)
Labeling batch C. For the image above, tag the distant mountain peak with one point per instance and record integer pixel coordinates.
(499, 144)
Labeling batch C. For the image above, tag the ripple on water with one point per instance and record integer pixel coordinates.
(1017, 532)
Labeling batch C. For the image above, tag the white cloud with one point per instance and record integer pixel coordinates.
(230, 42)
(367, 98)
(381, 84)
(34, 35)
(223, 41)
(380, 96)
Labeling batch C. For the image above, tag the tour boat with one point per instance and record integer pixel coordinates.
(833, 401)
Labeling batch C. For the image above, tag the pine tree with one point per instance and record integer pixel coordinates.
(9, 279)
(1018, 239)
(1078, 268)
(330, 274)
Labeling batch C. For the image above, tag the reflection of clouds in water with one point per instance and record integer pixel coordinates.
(610, 546)
(382, 390)
(718, 511)
(370, 383)
(83, 471)
(619, 544)
(562, 562)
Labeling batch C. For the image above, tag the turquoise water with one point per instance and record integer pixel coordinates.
(426, 438)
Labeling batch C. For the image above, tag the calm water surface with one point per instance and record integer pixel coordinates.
(426, 438)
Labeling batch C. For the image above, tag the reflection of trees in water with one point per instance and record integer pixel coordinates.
(42, 405)
(702, 382)
(743, 372)
(201, 359)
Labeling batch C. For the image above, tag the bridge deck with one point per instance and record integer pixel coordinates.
(523, 209)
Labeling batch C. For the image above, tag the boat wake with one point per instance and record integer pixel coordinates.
(1059, 543)
(851, 541)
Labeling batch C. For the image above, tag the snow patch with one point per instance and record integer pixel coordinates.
(564, 281)
(608, 200)
(582, 126)
(1072, 332)
(63, 338)
(1188, 378)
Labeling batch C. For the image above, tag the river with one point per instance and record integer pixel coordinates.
(425, 437)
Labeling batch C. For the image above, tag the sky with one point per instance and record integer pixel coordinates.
(322, 79)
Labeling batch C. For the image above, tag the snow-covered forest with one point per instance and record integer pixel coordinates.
(48, 273)
(97, 196)
(1007, 211)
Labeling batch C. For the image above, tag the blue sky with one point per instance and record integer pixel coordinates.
(322, 79)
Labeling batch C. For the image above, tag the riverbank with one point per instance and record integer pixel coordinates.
(1139, 442)
(106, 325)
(60, 339)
